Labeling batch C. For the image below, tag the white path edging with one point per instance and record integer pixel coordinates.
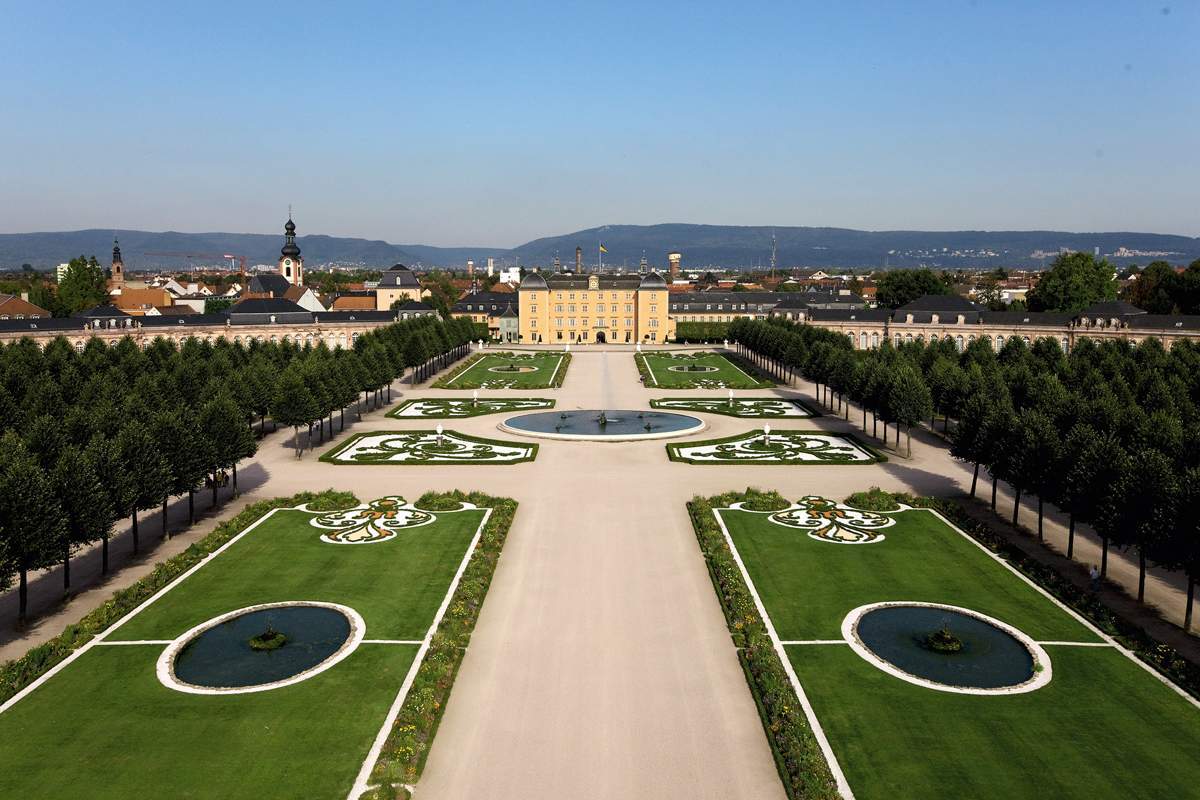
(361, 785)
(165, 667)
(1040, 677)
(810, 714)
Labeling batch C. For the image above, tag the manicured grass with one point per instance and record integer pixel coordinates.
(421, 448)
(745, 407)
(786, 447)
(462, 407)
(723, 373)
(487, 371)
(104, 726)
(1103, 727)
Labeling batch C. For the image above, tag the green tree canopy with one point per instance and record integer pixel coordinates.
(83, 286)
(1074, 282)
(899, 286)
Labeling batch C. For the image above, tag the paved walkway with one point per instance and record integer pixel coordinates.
(601, 666)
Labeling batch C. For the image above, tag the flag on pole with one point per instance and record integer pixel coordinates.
(603, 249)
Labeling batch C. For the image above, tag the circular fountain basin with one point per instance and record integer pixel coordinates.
(994, 658)
(215, 657)
(618, 425)
(516, 369)
(692, 368)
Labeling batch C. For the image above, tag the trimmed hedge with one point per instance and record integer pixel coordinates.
(798, 757)
(1162, 657)
(407, 747)
(15, 675)
(701, 332)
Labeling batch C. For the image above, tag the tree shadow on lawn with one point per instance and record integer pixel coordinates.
(46, 587)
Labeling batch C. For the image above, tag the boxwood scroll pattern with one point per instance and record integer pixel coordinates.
(427, 448)
(780, 447)
(376, 521)
(460, 408)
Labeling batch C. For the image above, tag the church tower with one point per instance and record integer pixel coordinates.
(118, 266)
(291, 265)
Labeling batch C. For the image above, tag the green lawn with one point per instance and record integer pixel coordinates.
(1103, 727)
(106, 727)
(509, 371)
(668, 371)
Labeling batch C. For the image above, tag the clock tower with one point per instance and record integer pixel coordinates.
(291, 265)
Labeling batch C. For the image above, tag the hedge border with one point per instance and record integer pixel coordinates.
(15, 675)
(798, 758)
(812, 412)
(879, 457)
(406, 749)
(329, 455)
(445, 381)
(395, 412)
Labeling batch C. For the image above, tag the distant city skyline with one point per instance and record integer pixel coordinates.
(495, 126)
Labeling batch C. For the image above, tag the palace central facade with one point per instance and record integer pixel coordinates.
(594, 308)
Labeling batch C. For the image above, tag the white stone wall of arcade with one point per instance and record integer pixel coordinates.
(869, 336)
(333, 335)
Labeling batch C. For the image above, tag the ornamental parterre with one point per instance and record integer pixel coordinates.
(780, 447)
(830, 521)
(428, 447)
(768, 407)
(376, 521)
(458, 408)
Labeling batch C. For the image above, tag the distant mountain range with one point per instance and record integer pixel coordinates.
(701, 245)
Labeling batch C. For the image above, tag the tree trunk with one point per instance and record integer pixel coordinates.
(165, 535)
(191, 506)
(66, 567)
(864, 408)
(1191, 596)
(1016, 507)
(975, 479)
(104, 555)
(23, 594)
(908, 440)
(1103, 556)
(342, 419)
(214, 481)
(1040, 539)
(1141, 598)
(1070, 535)
(993, 490)
(135, 531)
(235, 491)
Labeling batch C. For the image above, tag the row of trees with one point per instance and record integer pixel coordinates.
(1159, 289)
(95, 436)
(1110, 433)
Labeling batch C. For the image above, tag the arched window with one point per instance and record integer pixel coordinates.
(862, 341)
(999, 343)
(1064, 344)
(908, 338)
(875, 339)
(897, 340)
(958, 342)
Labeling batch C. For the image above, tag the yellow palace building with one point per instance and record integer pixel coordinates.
(594, 308)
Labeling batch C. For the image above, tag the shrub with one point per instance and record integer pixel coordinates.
(874, 499)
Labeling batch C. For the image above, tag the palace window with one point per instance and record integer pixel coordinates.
(558, 309)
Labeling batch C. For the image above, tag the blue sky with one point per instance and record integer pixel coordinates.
(492, 124)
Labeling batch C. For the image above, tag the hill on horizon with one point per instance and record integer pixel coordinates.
(731, 246)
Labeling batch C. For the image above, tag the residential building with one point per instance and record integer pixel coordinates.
(397, 283)
(14, 307)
